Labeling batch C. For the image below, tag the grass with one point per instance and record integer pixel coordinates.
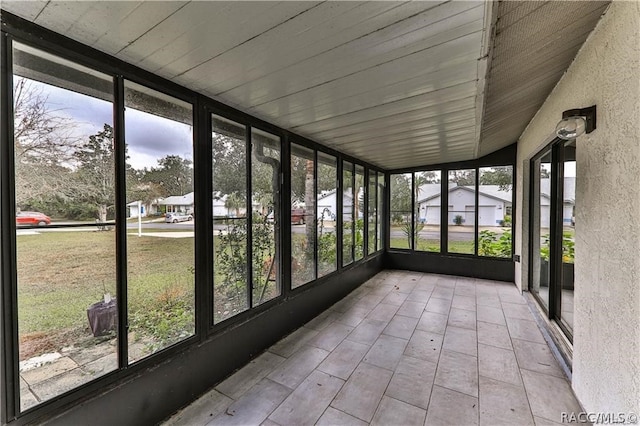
(434, 245)
(60, 274)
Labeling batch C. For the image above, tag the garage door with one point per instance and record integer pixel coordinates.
(487, 216)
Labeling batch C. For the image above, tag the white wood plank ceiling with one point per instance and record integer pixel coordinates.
(398, 84)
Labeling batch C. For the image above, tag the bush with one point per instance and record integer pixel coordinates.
(458, 220)
(489, 244)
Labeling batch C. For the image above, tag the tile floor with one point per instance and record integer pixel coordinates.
(405, 348)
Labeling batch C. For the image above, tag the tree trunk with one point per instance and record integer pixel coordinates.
(102, 213)
(310, 210)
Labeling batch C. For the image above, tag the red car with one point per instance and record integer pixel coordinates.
(32, 219)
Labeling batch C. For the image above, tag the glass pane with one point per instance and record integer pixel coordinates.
(541, 212)
(428, 201)
(327, 202)
(359, 212)
(568, 233)
(303, 223)
(160, 207)
(372, 212)
(348, 205)
(400, 211)
(462, 210)
(381, 198)
(265, 204)
(229, 210)
(65, 212)
(494, 211)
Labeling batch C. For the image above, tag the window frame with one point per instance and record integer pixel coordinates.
(504, 157)
(27, 33)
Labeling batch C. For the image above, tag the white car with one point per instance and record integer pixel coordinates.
(178, 217)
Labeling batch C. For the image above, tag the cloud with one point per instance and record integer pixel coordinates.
(148, 137)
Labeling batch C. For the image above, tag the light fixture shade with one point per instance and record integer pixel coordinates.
(570, 128)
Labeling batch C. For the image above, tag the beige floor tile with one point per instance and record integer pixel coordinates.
(254, 406)
(432, 322)
(419, 295)
(498, 364)
(424, 345)
(412, 381)
(488, 300)
(367, 331)
(524, 330)
(383, 312)
(511, 297)
(245, 378)
(294, 370)
(412, 309)
(321, 321)
(443, 293)
(395, 297)
(461, 301)
(401, 327)
(503, 404)
(306, 404)
(513, 310)
(200, 412)
(386, 352)
(353, 317)
(462, 318)
(461, 340)
(363, 391)
(449, 407)
(333, 417)
(494, 335)
(344, 359)
(536, 357)
(391, 411)
(491, 315)
(545, 404)
(294, 341)
(458, 372)
(329, 338)
(439, 306)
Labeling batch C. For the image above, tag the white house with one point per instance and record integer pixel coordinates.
(327, 204)
(493, 204)
(144, 210)
(568, 204)
(177, 203)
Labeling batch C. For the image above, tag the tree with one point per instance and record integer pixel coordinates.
(173, 176)
(400, 197)
(44, 143)
(229, 165)
(94, 178)
(501, 176)
(463, 177)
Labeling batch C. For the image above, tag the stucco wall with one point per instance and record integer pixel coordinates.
(606, 72)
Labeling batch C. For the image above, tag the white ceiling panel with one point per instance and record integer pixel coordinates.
(398, 84)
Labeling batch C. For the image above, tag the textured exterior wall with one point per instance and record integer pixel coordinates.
(606, 72)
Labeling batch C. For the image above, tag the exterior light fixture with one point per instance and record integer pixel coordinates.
(576, 122)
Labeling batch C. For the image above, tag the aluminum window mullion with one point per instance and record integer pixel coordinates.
(476, 226)
(315, 213)
(249, 216)
(9, 374)
(121, 220)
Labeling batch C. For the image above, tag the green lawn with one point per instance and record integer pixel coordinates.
(434, 245)
(60, 274)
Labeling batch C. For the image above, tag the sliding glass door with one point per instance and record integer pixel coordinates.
(552, 231)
